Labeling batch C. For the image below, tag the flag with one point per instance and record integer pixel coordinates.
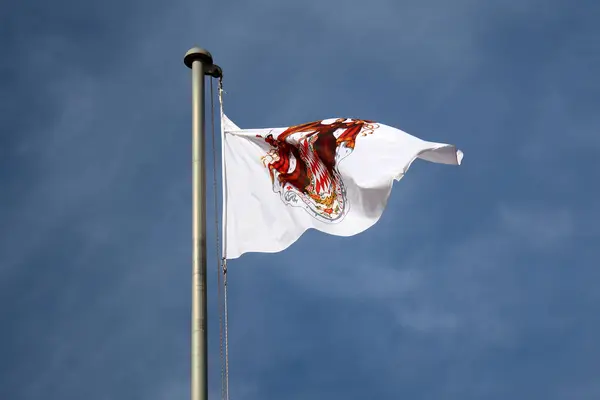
(333, 175)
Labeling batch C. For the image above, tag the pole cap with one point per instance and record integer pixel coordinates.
(196, 53)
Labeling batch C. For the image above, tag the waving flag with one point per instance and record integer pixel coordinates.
(333, 175)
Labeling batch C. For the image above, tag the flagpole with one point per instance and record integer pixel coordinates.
(201, 63)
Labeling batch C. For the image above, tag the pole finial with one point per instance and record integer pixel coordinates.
(196, 53)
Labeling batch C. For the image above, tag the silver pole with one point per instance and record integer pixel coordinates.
(201, 63)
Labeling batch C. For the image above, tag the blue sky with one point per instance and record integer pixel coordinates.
(479, 282)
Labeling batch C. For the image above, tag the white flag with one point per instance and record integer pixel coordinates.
(333, 175)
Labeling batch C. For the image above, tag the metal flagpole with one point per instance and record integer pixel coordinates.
(201, 63)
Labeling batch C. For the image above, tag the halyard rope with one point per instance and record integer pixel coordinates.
(221, 261)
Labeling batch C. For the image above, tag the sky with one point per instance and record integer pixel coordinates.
(479, 281)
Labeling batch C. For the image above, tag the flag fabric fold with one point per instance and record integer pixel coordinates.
(333, 175)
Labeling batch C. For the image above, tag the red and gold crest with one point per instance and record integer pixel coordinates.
(303, 164)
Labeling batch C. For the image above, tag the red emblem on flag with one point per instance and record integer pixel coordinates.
(304, 160)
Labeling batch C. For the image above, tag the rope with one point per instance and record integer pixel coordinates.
(221, 261)
(226, 328)
(218, 247)
(224, 261)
